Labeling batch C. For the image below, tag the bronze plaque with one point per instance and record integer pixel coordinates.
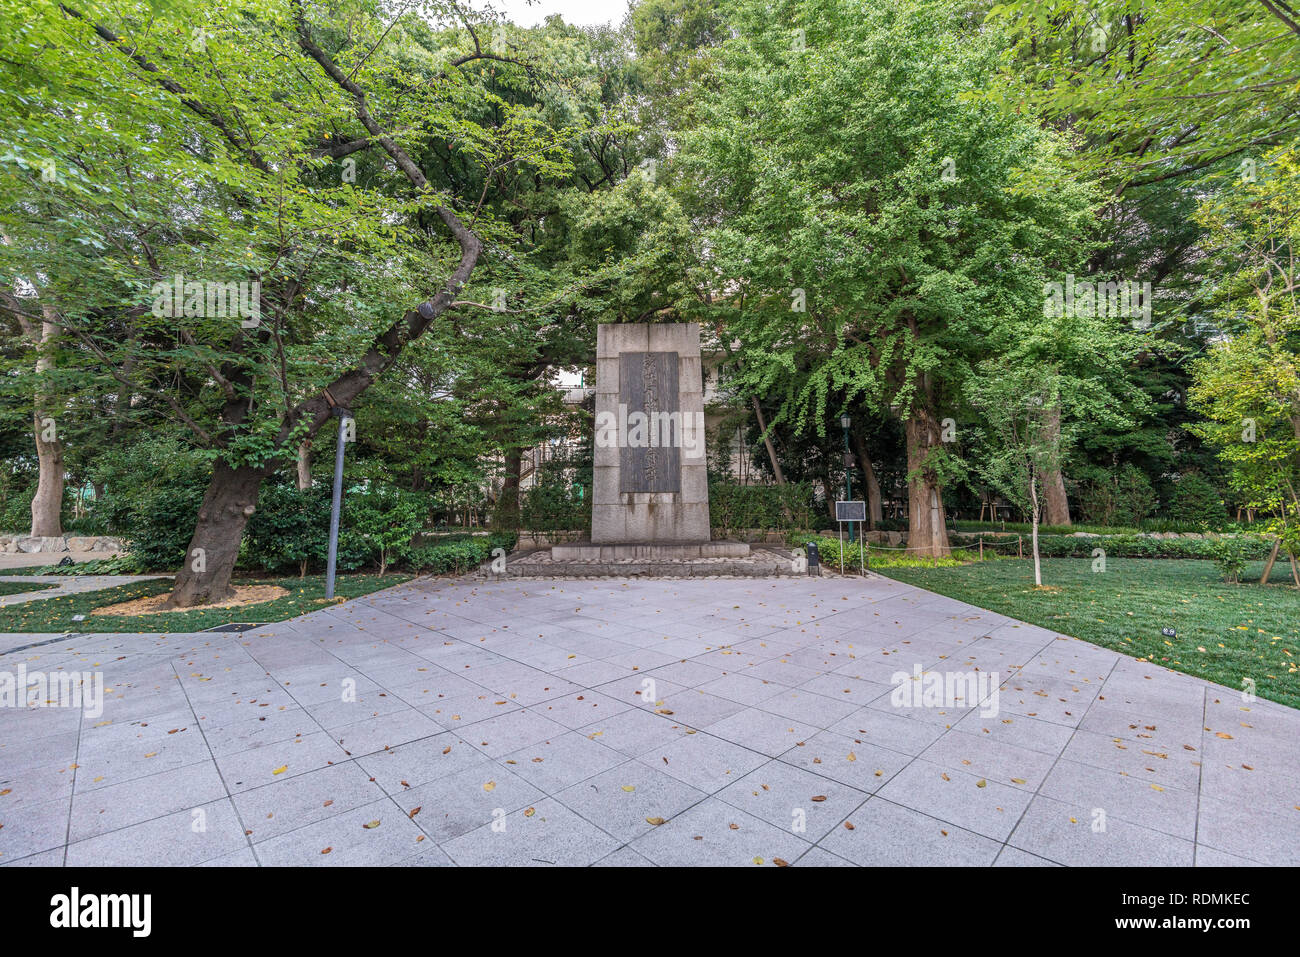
(650, 457)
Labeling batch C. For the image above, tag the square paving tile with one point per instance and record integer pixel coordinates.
(275, 809)
(569, 758)
(375, 834)
(713, 833)
(704, 762)
(1065, 832)
(887, 835)
(183, 839)
(785, 796)
(991, 810)
(623, 800)
(551, 835)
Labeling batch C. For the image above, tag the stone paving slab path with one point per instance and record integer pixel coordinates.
(461, 722)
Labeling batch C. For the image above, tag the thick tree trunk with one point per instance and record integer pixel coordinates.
(304, 464)
(508, 504)
(926, 532)
(47, 504)
(1056, 505)
(230, 501)
(875, 508)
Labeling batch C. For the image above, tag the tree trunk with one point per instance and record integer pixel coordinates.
(508, 504)
(230, 501)
(926, 532)
(304, 464)
(47, 504)
(1268, 565)
(1056, 505)
(875, 508)
(828, 488)
(767, 441)
(1033, 504)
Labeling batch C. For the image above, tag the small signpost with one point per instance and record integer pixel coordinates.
(850, 512)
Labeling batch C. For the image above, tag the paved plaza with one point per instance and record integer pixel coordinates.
(638, 722)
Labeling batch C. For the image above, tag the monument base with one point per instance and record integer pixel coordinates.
(584, 560)
(651, 551)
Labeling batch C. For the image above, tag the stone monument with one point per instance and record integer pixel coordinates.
(650, 496)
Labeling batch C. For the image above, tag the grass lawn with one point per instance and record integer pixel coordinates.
(306, 594)
(15, 588)
(1224, 632)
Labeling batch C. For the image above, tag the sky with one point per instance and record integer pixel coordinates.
(578, 12)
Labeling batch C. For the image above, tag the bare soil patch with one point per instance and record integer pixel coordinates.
(244, 595)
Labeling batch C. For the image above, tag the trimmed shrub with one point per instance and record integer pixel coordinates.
(767, 507)
(458, 555)
(554, 505)
(1196, 500)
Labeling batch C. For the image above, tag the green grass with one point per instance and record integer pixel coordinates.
(305, 594)
(16, 588)
(1225, 633)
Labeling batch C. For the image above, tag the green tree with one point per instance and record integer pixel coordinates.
(1248, 385)
(179, 146)
(873, 228)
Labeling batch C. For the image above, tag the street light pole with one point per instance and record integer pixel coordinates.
(845, 421)
(342, 415)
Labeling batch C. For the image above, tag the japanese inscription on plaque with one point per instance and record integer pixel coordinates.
(650, 457)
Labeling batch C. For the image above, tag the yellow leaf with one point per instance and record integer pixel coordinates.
(490, 786)
(281, 770)
(656, 821)
(371, 826)
(629, 788)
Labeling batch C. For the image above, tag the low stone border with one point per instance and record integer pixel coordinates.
(60, 543)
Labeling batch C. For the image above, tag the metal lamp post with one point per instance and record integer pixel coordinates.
(342, 415)
(845, 422)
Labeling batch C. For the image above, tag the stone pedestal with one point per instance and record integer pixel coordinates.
(658, 551)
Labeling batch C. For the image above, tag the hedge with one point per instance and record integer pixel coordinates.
(1126, 546)
(456, 556)
(767, 507)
